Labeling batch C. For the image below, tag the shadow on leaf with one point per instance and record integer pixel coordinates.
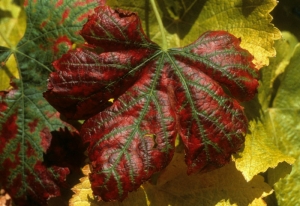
(178, 16)
(226, 184)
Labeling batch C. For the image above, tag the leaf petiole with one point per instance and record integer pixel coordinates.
(160, 24)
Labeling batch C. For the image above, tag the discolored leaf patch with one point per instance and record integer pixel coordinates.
(157, 94)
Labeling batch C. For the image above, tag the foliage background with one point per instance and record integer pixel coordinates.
(274, 124)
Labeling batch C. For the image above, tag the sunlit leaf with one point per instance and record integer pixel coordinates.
(12, 29)
(225, 186)
(185, 20)
(259, 153)
(84, 195)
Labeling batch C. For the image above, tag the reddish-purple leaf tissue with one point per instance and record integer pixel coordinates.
(192, 92)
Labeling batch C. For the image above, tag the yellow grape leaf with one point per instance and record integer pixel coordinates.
(259, 152)
(186, 20)
(224, 186)
(7, 71)
(256, 202)
(84, 195)
(12, 23)
(12, 28)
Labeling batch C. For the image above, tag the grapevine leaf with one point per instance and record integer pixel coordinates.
(12, 28)
(26, 119)
(284, 50)
(174, 187)
(259, 142)
(283, 123)
(185, 20)
(8, 70)
(158, 96)
(225, 186)
(12, 22)
(83, 194)
(258, 145)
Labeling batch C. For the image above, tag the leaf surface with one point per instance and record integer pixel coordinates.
(12, 28)
(84, 194)
(26, 119)
(225, 186)
(283, 122)
(259, 140)
(186, 20)
(13, 23)
(284, 51)
(259, 144)
(158, 96)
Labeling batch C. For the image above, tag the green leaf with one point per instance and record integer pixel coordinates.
(283, 123)
(26, 119)
(284, 48)
(185, 20)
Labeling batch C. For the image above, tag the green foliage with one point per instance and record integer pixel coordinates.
(283, 123)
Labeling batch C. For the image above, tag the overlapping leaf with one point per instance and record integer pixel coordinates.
(284, 51)
(12, 28)
(223, 187)
(259, 144)
(26, 119)
(84, 195)
(185, 20)
(283, 123)
(158, 95)
(259, 140)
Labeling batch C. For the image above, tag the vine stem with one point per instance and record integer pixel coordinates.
(160, 24)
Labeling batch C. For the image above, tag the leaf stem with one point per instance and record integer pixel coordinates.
(160, 24)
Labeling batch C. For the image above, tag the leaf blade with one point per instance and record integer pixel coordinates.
(23, 108)
(185, 20)
(135, 137)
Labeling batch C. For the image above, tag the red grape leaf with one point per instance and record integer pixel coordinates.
(27, 121)
(158, 95)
